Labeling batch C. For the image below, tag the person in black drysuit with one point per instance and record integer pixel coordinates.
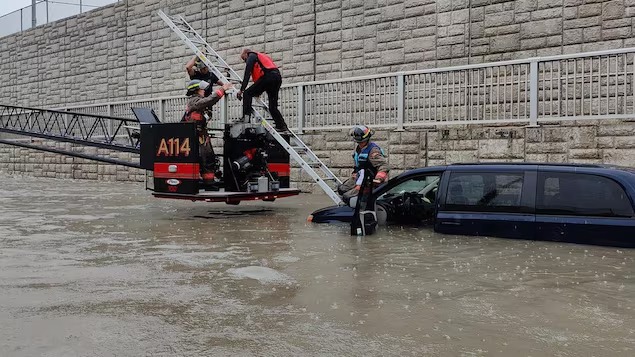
(196, 69)
(267, 78)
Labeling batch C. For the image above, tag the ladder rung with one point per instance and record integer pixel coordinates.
(178, 22)
(214, 57)
(301, 150)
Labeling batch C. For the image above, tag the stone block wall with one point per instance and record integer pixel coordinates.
(35, 163)
(593, 142)
(124, 51)
(585, 142)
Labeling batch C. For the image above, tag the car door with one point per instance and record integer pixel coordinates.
(583, 207)
(406, 182)
(409, 200)
(497, 202)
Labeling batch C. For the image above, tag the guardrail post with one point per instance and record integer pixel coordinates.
(33, 14)
(301, 109)
(533, 93)
(112, 122)
(223, 110)
(401, 101)
(162, 110)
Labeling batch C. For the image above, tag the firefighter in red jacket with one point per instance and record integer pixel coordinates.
(197, 104)
(267, 78)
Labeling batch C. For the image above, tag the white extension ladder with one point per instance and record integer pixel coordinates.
(296, 148)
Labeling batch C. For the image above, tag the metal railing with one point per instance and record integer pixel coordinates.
(46, 11)
(594, 85)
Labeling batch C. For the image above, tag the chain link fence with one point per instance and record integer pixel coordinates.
(46, 11)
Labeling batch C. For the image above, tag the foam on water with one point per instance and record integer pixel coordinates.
(286, 259)
(263, 274)
(88, 217)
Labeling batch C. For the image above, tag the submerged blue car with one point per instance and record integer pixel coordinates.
(587, 204)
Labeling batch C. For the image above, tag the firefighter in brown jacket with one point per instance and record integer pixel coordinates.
(197, 104)
(365, 152)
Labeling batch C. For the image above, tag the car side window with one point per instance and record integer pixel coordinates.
(487, 191)
(424, 185)
(581, 195)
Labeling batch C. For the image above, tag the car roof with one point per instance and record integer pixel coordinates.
(625, 175)
(541, 164)
(570, 167)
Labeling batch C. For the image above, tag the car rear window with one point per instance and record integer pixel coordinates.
(489, 191)
(581, 195)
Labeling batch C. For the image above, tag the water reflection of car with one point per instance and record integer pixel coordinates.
(560, 202)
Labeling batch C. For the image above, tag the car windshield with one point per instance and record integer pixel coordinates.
(421, 184)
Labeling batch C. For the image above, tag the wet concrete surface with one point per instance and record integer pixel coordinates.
(105, 269)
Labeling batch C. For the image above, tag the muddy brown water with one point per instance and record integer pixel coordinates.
(104, 269)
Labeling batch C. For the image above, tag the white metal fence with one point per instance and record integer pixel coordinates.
(594, 85)
(46, 11)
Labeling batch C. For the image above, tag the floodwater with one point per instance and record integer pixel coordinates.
(103, 269)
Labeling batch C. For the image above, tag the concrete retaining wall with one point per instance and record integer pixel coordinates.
(609, 142)
(18, 160)
(124, 51)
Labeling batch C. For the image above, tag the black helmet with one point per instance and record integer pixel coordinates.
(194, 85)
(361, 133)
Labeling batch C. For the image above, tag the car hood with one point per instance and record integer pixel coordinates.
(332, 214)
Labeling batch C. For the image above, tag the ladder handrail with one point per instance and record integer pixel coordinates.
(200, 54)
(299, 142)
(303, 164)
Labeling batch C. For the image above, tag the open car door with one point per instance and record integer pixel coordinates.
(365, 218)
